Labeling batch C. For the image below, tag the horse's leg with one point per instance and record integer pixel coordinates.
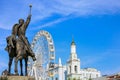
(9, 64)
(16, 66)
(21, 65)
(26, 60)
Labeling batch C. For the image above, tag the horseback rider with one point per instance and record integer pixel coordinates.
(19, 31)
(21, 35)
(18, 44)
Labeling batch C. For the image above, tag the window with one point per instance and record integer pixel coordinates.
(96, 75)
(70, 68)
(75, 68)
(56, 78)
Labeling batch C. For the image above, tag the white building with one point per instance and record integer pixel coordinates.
(73, 64)
(72, 70)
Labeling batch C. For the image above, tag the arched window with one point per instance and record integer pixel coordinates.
(70, 68)
(75, 68)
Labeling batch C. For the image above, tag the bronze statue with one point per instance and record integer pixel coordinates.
(18, 45)
(11, 46)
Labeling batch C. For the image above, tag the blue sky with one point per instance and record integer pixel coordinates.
(94, 24)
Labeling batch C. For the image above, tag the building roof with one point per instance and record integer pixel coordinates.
(72, 43)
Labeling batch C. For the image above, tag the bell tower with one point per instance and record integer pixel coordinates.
(73, 63)
(73, 51)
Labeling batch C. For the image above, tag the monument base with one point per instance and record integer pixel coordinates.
(16, 78)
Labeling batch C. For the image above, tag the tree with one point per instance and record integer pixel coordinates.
(69, 79)
(74, 78)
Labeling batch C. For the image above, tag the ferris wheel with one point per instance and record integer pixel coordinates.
(43, 47)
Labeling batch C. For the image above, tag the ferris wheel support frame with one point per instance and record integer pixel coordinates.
(51, 50)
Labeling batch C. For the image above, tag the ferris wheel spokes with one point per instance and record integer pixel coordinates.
(44, 50)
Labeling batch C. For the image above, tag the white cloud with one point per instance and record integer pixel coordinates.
(13, 10)
(52, 22)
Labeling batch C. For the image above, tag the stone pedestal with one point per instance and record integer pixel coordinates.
(16, 78)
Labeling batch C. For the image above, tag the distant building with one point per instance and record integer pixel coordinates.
(113, 77)
(109, 77)
(72, 70)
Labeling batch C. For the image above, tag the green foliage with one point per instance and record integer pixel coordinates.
(90, 79)
(69, 79)
(74, 78)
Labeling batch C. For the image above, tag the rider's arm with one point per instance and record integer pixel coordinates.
(27, 21)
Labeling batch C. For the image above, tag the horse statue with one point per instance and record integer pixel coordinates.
(11, 46)
(21, 54)
(18, 46)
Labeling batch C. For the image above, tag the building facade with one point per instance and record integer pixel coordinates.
(72, 70)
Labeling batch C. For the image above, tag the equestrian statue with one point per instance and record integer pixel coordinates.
(18, 46)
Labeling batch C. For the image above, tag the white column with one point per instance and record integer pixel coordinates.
(59, 63)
